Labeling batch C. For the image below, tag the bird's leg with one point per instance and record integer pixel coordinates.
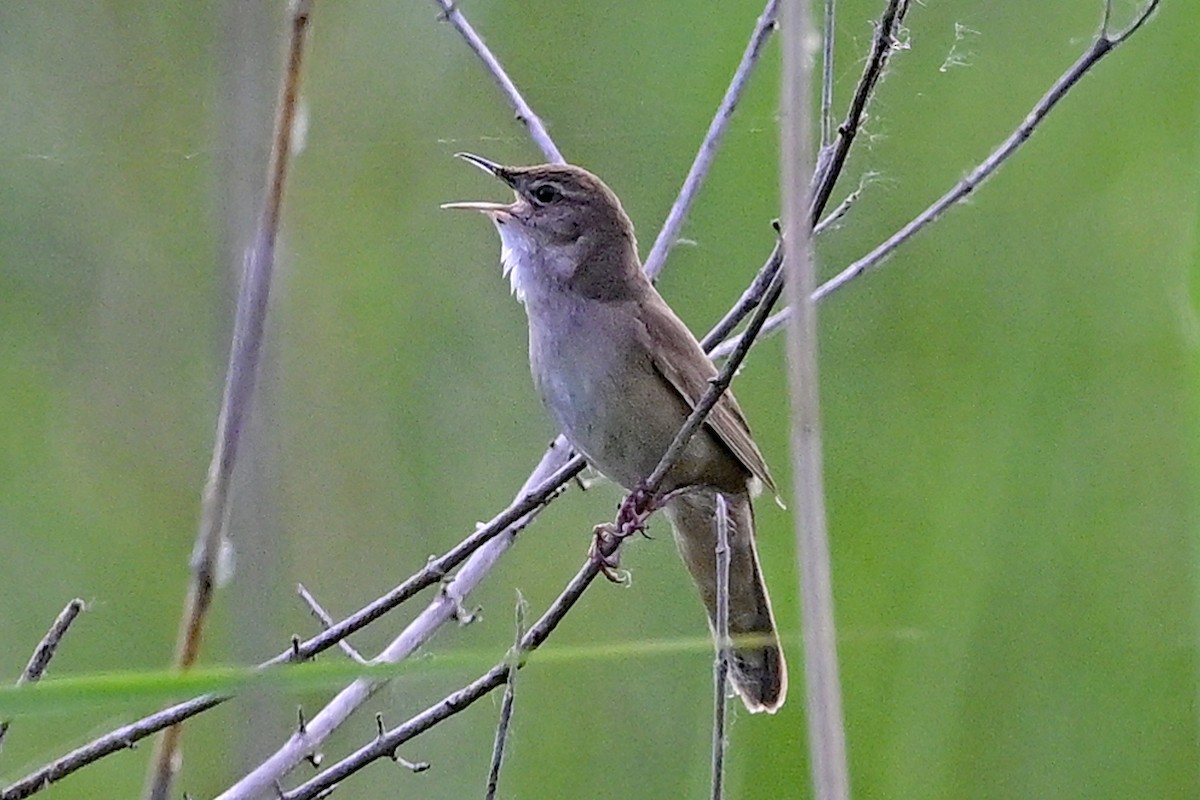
(604, 552)
(637, 506)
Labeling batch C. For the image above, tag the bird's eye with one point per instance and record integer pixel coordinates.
(545, 193)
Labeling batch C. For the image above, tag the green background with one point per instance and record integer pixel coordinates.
(1010, 405)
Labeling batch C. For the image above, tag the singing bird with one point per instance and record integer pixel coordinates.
(620, 373)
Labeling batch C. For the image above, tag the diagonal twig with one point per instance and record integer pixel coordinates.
(1104, 43)
(669, 234)
(525, 115)
(327, 622)
(833, 157)
(240, 379)
(45, 650)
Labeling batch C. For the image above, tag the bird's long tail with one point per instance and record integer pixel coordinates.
(759, 673)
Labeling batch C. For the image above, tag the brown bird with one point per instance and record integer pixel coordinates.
(620, 373)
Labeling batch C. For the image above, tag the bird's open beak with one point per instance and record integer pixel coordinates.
(490, 167)
(479, 205)
(493, 169)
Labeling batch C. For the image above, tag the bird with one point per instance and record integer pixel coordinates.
(620, 372)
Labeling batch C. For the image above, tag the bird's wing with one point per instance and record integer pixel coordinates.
(678, 357)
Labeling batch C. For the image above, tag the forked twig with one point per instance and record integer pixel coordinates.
(1104, 43)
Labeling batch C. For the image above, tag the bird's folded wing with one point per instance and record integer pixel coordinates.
(679, 359)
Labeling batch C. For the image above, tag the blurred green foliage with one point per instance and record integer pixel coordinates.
(1010, 406)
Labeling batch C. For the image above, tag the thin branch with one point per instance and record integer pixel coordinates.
(327, 622)
(515, 517)
(506, 705)
(240, 379)
(833, 158)
(827, 48)
(721, 662)
(669, 234)
(525, 115)
(122, 738)
(823, 695)
(40, 659)
(1104, 44)
(747, 302)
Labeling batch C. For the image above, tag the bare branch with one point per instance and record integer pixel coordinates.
(326, 623)
(506, 705)
(747, 302)
(525, 115)
(122, 738)
(721, 662)
(827, 42)
(240, 379)
(40, 660)
(1101, 46)
(1104, 44)
(669, 234)
(833, 158)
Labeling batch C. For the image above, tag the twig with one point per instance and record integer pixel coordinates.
(240, 378)
(721, 662)
(828, 25)
(669, 234)
(441, 609)
(40, 659)
(525, 115)
(122, 738)
(506, 705)
(833, 158)
(823, 694)
(327, 622)
(1101, 46)
(747, 302)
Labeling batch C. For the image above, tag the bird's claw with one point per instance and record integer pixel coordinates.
(635, 508)
(604, 552)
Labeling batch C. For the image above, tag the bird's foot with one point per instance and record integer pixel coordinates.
(637, 506)
(605, 552)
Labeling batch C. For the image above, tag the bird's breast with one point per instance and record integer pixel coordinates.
(600, 385)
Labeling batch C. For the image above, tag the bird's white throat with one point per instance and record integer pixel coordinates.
(515, 256)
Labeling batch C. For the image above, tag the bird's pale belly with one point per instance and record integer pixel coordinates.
(616, 410)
